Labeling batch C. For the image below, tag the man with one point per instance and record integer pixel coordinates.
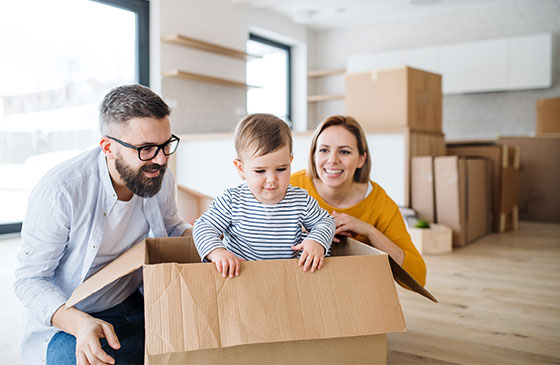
(83, 214)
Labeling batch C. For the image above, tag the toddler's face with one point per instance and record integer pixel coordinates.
(267, 176)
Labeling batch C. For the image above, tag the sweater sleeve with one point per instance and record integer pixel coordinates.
(413, 262)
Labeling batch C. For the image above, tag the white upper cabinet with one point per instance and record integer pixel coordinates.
(513, 63)
(530, 61)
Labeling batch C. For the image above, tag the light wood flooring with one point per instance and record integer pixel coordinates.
(499, 303)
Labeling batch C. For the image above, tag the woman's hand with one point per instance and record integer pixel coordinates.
(346, 225)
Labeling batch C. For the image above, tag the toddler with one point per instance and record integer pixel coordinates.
(263, 217)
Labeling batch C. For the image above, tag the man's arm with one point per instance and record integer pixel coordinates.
(87, 330)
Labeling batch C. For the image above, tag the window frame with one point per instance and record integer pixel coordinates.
(142, 10)
(257, 38)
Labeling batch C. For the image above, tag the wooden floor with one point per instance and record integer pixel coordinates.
(499, 303)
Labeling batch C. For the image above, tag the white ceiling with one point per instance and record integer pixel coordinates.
(322, 14)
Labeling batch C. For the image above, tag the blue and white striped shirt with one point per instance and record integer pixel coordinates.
(256, 231)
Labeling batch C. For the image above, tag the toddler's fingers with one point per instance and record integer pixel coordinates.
(302, 258)
(237, 267)
(308, 262)
(219, 266)
(232, 267)
(225, 268)
(321, 260)
(297, 247)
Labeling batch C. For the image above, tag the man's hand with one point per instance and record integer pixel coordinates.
(313, 254)
(87, 330)
(88, 348)
(226, 262)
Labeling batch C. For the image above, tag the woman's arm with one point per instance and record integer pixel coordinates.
(346, 223)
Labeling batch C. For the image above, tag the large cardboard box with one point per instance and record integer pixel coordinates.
(403, 97)
(462, 190)
(272, 313)
(539, 176)
(548, 115)
(504, 166)
(422, 194)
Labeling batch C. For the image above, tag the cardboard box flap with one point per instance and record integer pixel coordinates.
(271, 301)
(351, 247)
(129, 261)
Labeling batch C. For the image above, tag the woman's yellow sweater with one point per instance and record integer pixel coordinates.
(379, 210)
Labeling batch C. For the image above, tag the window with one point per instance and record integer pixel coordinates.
(60, 60)
(271, 72)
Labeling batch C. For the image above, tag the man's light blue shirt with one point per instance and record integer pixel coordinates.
(62, 232)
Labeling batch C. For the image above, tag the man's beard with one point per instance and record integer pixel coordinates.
(137, 182)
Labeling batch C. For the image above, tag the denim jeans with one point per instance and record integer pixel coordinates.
(127, 319)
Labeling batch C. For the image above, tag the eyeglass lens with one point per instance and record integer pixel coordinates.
(150, 152)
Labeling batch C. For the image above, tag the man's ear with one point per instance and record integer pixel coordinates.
(239, 167)
(107, 147)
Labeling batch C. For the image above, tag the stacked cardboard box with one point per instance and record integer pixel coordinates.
(191, 204)
(548, 116)
(504, 165)
(272, 313)
(455, 192)
(401, 101)
(539, 176)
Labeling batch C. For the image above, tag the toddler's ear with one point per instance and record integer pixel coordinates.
(239, 167)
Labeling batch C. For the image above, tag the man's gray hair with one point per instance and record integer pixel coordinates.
(128, 102)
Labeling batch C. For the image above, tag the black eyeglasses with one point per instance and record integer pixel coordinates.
(149, 152)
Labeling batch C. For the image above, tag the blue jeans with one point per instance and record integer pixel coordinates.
(127, 319)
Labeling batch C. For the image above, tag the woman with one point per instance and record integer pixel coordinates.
(338, 177)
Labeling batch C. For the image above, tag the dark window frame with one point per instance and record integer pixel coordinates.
(288, 49)
(142, 10)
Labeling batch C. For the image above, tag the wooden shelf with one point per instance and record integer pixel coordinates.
(204, 78)
(323, 73)
(315, 98)
(184, 41)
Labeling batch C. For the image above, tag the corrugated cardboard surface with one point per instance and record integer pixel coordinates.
(462, 190)
(401, 96)
(191, 307)
(504, 180)
(539, 176)
(422, 187)
(548, 115)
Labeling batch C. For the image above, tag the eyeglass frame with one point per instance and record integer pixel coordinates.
(159, 146)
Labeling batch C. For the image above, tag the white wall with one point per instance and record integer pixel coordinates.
(199, 107)
(472, 116)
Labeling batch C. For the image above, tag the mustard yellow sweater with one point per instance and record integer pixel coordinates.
(379, 210)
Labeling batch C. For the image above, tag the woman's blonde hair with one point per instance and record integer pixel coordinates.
(361, 175)
(263, 133)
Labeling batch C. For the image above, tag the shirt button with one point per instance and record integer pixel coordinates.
(104, 214)
(93, 246)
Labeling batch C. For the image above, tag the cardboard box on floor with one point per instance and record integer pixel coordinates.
(404, 97)
(462, 196)
(539, 176)
(435, 240)
(504, 165)
(272, 313)
(548, 116)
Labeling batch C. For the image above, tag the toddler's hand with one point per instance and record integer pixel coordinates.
(225, 262)
(312, 255)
